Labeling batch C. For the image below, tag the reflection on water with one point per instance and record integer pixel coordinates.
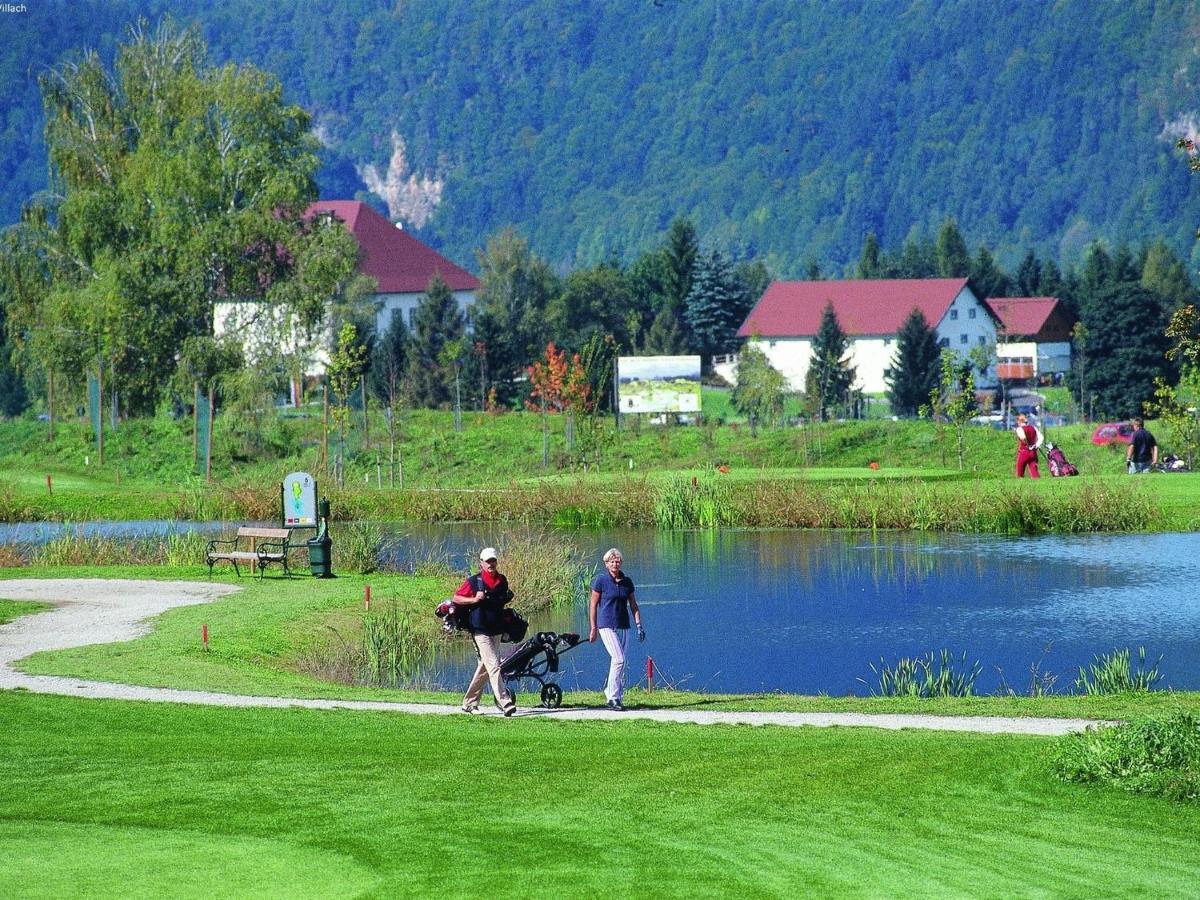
(808, 611)
(804, 611)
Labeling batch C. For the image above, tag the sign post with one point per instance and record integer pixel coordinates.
(666, 385)
(298, 496)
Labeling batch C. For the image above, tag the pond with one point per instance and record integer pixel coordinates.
(811, 611)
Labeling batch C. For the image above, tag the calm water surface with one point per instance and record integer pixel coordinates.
(809, 612)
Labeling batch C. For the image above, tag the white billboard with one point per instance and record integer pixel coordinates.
(658, 384)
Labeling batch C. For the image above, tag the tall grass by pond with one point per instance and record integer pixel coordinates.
(941, 675)
(396, 645)
(73, 548)
(1111, 673)
(926, 676)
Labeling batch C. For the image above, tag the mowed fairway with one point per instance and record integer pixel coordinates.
(131, 799)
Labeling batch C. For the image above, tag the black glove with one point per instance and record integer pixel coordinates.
(641, 634)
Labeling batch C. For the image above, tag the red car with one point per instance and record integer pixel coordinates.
(1121, 432)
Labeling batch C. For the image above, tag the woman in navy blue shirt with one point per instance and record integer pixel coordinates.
(608, 614)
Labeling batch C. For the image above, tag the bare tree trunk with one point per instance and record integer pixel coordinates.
(100, 415)
(212, 404)
(325, 428)
(50, 402)
(195, 422)
(366, 420)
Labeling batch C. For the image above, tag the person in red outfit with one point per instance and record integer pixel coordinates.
(1029, 439)
(485, 594)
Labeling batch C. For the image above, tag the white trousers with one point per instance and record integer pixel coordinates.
(615, 642)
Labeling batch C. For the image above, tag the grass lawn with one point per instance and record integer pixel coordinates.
(127, 799)
(10, 609)
(147, 470)
(258, 636)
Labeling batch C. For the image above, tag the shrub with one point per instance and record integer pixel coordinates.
(1159, 756)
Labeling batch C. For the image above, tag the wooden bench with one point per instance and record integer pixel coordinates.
(262, 547)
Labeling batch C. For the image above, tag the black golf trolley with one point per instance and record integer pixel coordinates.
(535, 659)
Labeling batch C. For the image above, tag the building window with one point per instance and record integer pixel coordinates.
(954, 314)
(971, 313)
(887, 342)
(412, 314)
(983, 340)
(944, 342)
(962, 339)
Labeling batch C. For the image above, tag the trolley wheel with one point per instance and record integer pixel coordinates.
(551, 696)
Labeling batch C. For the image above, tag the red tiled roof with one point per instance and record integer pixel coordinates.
(393, 257)
(863, 307)
(1030, 317)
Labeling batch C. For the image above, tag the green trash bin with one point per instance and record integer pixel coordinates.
(320, 553)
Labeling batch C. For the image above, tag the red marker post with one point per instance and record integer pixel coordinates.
(649, 673)
(49, 486)
(367, 598)
(204, 637)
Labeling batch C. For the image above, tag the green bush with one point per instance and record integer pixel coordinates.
(1159, 756)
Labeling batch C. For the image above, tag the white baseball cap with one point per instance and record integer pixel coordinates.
(489, 553)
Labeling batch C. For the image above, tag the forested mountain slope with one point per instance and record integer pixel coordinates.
(786, 130)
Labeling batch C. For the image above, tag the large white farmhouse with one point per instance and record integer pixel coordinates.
(400, 264)
(785, 321)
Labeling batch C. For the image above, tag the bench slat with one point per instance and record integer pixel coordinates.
(277, 533)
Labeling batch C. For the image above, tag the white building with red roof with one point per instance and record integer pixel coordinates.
(401, 265)
(870, 312)
(1034, 337)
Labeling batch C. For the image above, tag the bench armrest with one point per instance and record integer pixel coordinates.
(212, 545)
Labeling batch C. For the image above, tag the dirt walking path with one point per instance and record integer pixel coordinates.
(98, 611)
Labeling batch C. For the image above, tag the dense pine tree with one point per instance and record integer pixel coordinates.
(437, 321)
(869, 263)
(1029, 276)
(389, 361)
(830, 375)
(714, 308)
(987, 279)
(915, 367)
(682, 250)
(953, 257)
(1164, 273)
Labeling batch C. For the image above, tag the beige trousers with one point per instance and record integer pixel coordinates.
(487, 646)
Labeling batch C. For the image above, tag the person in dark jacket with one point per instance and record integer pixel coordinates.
(608, 615)
(485, 595)
(1142, 453)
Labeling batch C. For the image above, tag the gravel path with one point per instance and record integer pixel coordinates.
(97, 611)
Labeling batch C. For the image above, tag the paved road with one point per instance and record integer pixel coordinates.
(97, 611)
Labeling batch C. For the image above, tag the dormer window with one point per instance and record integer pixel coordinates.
(954, 314)
(971, 313)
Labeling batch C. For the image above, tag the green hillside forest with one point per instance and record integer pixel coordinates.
(787, 131)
